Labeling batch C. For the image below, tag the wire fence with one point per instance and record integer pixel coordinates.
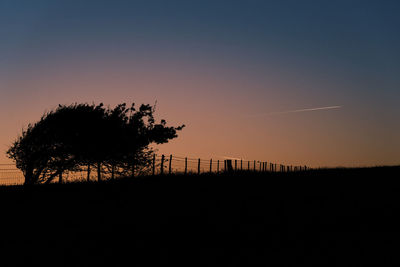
(10, 175)
(174, 164)
(161, 164)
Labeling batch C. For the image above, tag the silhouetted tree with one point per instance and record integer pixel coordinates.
(80, 135)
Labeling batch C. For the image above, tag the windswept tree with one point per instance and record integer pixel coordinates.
(80, 135)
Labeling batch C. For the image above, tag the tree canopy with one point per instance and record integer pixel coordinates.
(72, 137)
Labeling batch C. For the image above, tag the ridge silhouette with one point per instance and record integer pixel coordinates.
(340, 217)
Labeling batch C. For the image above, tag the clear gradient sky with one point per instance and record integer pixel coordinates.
(232, 71)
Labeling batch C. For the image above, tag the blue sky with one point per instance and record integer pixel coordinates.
(235, 59)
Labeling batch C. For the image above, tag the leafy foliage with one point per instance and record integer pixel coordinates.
(79, 135)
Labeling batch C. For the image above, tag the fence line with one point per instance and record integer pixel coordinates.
(160, 165)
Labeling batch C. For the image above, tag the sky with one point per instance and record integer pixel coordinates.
(296, 82)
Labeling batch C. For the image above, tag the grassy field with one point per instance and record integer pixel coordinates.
(340, 217)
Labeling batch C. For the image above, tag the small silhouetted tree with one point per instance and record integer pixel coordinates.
(80, 135)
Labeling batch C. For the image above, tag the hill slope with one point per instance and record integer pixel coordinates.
(344, 217)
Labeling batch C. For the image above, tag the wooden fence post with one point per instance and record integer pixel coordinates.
(260, 166)
(133, 167)
(98, 171)
(162, 165)
(88, 172)
(248, 165)
(210, 165)
(198, 167)
(235, 164)
(154, 164)
(170, 164)
(229, 166)
(254, 165)
(241, 165)
(217, 166)
(186, 165)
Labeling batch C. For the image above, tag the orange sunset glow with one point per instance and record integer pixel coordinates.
(232, 90)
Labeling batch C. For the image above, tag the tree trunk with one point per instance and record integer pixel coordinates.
(99, 172)
(29, 176)
(88, 173)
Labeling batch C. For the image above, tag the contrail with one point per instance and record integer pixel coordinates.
(306, 109)
(299, 110)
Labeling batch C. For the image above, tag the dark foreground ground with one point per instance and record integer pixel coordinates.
(331, 217)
